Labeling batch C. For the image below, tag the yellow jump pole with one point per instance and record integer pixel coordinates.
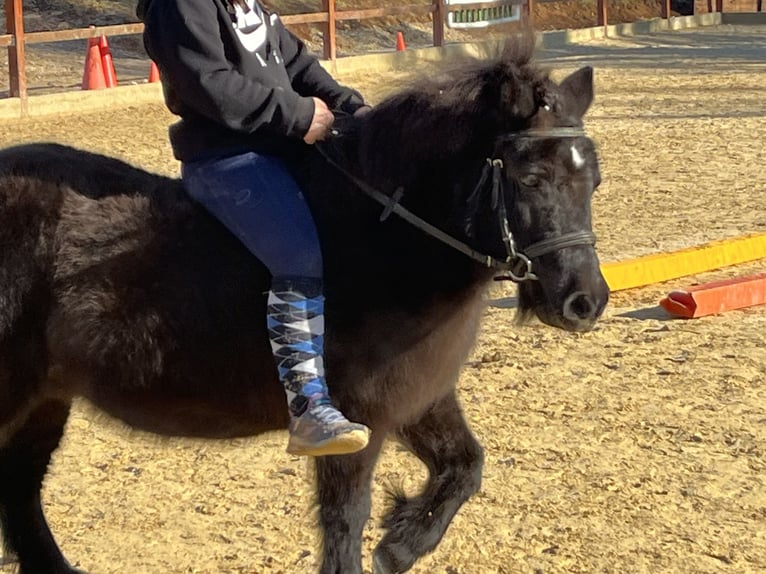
(665, 266)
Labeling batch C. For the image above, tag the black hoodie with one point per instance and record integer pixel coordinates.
(236, 76)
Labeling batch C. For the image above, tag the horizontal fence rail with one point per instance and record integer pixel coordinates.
(16, 39)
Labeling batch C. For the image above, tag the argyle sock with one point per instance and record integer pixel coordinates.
(295, 320)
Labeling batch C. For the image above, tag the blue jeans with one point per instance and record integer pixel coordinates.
(257, 199)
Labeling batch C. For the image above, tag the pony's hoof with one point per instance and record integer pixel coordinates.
(72, 570)
(69, 569)
(383, 562)
(378, 567)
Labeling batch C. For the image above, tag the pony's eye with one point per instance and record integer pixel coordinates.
(530, 180)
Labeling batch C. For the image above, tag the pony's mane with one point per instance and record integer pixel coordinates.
(457, 83)
(460, 109)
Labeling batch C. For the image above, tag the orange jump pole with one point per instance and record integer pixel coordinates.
(666, 266)
(716, 297)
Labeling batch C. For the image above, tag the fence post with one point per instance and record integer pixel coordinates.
(603, 20)
(438, 22)
(329, 45)
(666, 9)
(527, 9)
(14, 25)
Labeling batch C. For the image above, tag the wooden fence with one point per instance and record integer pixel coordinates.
(16, 39)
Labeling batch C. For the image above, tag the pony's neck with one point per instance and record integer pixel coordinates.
(396, 263)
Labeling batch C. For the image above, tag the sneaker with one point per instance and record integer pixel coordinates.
(323, 430)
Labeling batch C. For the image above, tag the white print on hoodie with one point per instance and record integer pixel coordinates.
(248, 23)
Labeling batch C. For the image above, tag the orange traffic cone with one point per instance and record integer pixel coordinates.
(107, 64)
(93, 76)
(154, 73)
(400, 47)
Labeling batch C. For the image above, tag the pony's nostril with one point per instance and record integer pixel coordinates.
(580, 305)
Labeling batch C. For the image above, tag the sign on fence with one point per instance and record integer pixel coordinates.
(481, 17)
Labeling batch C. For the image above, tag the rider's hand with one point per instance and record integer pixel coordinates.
(320, 123)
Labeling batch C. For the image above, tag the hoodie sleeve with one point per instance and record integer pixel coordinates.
(184, 40)
(309, 78)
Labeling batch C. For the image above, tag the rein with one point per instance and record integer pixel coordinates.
(517, 266)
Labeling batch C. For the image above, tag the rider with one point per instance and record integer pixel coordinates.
(249, 95)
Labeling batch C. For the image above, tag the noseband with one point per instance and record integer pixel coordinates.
(517, 266)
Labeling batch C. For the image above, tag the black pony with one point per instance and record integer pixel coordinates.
(116, 287)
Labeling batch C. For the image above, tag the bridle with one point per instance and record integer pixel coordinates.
(518, 263)
(517, 266)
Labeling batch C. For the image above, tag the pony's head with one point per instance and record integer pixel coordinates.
(494, 153)
(551, 171)
(541, 170)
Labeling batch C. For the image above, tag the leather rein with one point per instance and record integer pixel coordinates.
(517, 266)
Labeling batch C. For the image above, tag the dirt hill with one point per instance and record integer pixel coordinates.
(354, 37)
(58, 66)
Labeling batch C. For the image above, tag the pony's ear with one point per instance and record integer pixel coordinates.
(577, 89)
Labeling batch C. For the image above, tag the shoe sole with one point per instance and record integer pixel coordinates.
(346, 443)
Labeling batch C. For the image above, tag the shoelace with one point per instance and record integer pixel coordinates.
(324, 411)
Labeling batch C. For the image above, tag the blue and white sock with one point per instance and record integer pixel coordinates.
(295, 320)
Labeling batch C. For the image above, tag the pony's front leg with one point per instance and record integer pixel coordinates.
(343, 485)
(442, 440)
